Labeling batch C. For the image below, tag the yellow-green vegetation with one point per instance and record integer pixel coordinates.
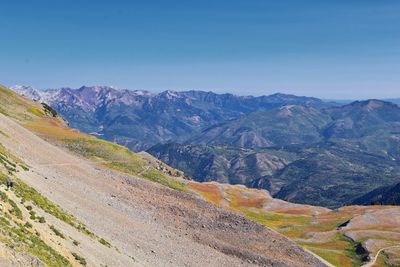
(19, 235)
(122, 159)
(7, 161)
(42, 119)
(162, 178)
(104, 242)
(27, 193)
(80, 259)
(282, 222)
(297, 223)
(20, 238)
(36, 111)
(15, 210)
(57, 232)
(338, 250)
(106, 153)
(14, 106)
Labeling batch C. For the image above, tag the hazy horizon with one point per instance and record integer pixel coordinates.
(206, 90)
(330, 50)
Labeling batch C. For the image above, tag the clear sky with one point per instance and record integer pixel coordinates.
(329, 49)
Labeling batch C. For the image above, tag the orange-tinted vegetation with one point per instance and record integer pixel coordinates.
(210, 191)
(324, 232)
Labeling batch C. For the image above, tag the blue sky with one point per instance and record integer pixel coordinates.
(329, 49)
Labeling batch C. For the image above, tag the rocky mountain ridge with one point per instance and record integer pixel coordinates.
(139, 119)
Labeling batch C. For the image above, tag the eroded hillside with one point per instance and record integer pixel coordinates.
(89, 202)
(348, 236)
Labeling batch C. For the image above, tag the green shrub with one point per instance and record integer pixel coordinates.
(57, 232)
(15, 210)
(80, 259)
(104, 242)
(49, 109)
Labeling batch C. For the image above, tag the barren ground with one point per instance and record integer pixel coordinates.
(146, 223)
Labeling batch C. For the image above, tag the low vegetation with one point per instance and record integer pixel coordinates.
(122, 159)
(57, 232)
(104, 242)
(29, 194)
(20, 237)
(80, 259)
(319, 230)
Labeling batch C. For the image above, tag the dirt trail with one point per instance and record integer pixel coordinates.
(373, 261)
(152, 224)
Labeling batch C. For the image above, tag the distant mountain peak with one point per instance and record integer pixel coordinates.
(169, 94)
(374, 103)
(28, 91)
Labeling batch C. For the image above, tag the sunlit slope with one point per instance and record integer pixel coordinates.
(134, 221)
(339, 236)
(37, 231)
(43, 120)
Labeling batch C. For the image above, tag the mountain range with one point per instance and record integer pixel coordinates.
(325, 157)
(77, 200)
(140, 119)
(301, 149)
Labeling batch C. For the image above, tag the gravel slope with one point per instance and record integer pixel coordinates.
(147, 222)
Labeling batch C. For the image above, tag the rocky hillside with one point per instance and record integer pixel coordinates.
(78, 200)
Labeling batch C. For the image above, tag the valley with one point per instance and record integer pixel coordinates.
(90, 177)
(200, 133)
(301, 149)
(339, 236)
(127, 212)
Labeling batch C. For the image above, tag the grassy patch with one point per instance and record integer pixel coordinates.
(80, 259)
(277, 220)
(340, 250)
(17, 236)
(104, 242)
(161, 178)
(15, 106)
(15, 210)
(57, 232)
(122, 159)
(49, 110)
(35, 111)
(27, 193)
